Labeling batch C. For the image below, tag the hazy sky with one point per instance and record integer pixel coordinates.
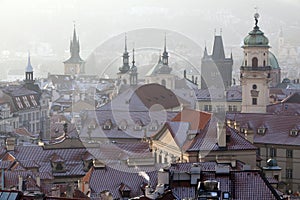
(27, 22)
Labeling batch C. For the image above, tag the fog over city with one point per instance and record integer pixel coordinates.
(45, 27)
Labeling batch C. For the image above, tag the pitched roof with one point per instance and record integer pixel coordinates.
(207, 140)
(111, 177)
(241, 184)
(151, 94)
(278, 127)
(197, 119)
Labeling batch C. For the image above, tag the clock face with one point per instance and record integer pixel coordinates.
(256, 15)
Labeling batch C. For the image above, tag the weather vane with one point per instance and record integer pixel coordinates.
(256, 15)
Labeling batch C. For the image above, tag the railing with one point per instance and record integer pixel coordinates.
(249, 68)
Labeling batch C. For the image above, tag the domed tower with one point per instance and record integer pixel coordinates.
(255, 71)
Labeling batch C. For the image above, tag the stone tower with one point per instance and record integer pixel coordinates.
(74, 65)
(255, 72)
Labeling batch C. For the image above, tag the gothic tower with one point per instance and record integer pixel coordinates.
(74, 65)
(255, 71)
(216, 69)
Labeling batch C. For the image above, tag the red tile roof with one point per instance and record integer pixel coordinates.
(197, 119)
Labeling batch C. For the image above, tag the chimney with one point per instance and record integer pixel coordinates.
(10, 144)
(38, 180)
(221, 134)
(20, 183)
(195, 173)
(163, 177)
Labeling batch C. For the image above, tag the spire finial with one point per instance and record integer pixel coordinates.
(28, 63)
(125, 42)
(133, 61)
(221, 31)
(256, 16)
(74, 32)
(165, 47)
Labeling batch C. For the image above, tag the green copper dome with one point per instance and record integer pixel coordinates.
(256, 38)
(273, 61)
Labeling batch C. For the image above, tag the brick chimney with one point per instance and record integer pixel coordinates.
(221, 134)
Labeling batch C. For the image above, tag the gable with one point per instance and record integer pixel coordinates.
(167, 138)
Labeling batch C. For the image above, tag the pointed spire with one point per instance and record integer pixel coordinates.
(74, 34)
(125, 42)
(165, 53)
(165, 47)
(29, 66)
(133, 61)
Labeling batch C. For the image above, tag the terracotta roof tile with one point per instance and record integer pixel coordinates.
(197, 119)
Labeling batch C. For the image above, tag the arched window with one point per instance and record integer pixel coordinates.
(264, 63)
(254, 62)
(163, 82)
(246, 63)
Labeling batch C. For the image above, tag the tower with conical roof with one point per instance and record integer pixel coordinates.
(216, 69)
(255, 72)
(29, 71)
(74, 65)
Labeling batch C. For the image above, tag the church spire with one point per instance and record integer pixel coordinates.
(125, 67)
(29, 70)
(125, 42)
(165, 53)
(133, 61)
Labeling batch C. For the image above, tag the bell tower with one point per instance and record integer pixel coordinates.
(255, 71)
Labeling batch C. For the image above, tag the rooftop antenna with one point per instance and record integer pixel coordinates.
(221, 31)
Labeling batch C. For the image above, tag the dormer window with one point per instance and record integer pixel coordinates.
(92, 124)
(153, 126)
(261, 130)
(107, 125)
(58, 164)
(294, 132)
(138, 125)
(123, 125)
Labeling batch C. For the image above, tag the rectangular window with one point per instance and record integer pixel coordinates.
(234, 108)
(25, 100)
(230, 109)
(289, 153)
(254, 101)
(207, 108)
(272, 152)
(289, 173)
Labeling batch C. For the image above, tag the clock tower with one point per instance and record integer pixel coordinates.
(255, 72)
